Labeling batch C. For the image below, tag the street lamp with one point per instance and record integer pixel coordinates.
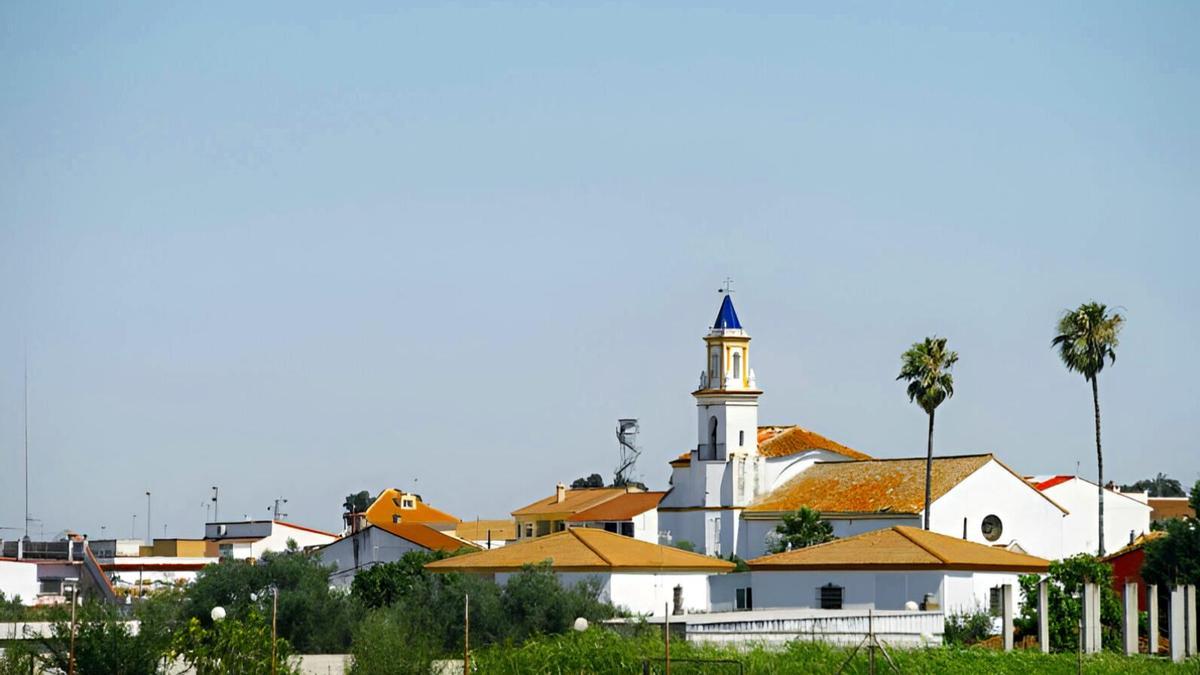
(149, 534)
(217, 613)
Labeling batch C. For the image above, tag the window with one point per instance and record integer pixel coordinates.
(996, 601)
(529, 530)
(830, 596)
(737, 365)
(741, 438)
(51, 587)
(745, 599)
(627, 529)
(991, 527)
(225, 550)
(714, 368)
(408, 503)
(610, 527)
(712, 437)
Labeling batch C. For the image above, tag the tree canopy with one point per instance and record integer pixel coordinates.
(1159, 486)
(926, 367)
(358, 502)
(800, 529)
(1087, 337)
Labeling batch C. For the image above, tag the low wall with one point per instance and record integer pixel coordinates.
(841, 627)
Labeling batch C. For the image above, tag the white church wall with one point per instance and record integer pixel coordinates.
(1027, 517)
(861, 590)
(1121, 515)
(649, 593)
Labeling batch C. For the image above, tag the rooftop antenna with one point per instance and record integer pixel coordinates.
(277, 513)
(627, 432)
(27, 442)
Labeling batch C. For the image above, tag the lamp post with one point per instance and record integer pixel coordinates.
(216, 504)
(149, 534)
(133, 528)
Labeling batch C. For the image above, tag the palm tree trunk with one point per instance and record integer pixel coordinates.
(928, 470)
(1099, 461)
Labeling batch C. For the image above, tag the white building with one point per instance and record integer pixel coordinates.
(884, 569)
(248, 539)
(19, 580)
(1126, 515)
(730, 492)
(634, 574)
(377, 544)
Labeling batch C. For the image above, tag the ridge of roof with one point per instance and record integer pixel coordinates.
(787, 440)
(903, 532)
(593, 549)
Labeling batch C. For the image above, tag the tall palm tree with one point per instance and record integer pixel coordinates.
(1087, 336)
(926, 367)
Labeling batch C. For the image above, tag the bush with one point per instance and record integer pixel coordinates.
(104, 644)
(967, 629)
(240, 646)
(1066, 582)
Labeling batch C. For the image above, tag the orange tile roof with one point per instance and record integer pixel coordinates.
(1170, 507)
(477, 530)
(791, 440)
(623, 507)
(1139, 542)
(901, 548)
(574, 501)
(583, 549)
(683, 460)
(870, 486)
(425, 536)
(387, 505)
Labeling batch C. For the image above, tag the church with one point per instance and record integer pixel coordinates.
(731, 490)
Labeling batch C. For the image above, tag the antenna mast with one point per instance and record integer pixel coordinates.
(27, 443)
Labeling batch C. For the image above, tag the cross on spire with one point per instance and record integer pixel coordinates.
(726, 287)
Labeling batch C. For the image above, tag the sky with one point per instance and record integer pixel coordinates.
(301, 250)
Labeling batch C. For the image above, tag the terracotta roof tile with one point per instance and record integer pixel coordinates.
(624, 507)
(477, 530)
(584, 550)
(574, 501)
(871, 486)
(791, 440)
(425, 536)
(387, 505)
(901, 548)
(1170, 507)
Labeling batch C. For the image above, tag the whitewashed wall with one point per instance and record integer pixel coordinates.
(374, 546)
(1027, 516)
(19, 578)
(1121, 515)
(863, 590)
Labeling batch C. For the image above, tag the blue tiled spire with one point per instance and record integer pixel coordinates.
(727, 317)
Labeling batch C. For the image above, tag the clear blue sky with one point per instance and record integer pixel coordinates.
(302, 250)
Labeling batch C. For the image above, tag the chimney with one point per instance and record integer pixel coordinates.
(560, 493)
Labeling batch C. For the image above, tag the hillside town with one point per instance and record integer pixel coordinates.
(709, 549)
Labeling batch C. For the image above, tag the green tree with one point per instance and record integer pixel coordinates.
(1175, 557)
(800, 529)
(313, 617)
(358, 502)
(1194, 499)
(235, 646)
(593, 481)
(926, 367)
(385, 584)
(1159, 486)
(1087, 337)
(1066, 579)
(104, 644)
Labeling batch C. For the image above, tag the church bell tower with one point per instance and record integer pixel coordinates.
(727, 398)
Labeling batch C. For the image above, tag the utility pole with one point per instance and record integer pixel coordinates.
(133, 528)
(216, 510)
(466, 634)
(274, 612)
(149, 534)
(27, 443)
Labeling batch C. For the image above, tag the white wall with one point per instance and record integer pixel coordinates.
(755, 533)
(1028, 518)
(863, 590)
(281, 533)
(1080, 534)
(18, 578)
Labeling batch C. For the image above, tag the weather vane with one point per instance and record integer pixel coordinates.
(727, 287)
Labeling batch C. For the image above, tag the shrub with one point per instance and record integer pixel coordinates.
(236, 645)
(1066, 582)
(967, 628)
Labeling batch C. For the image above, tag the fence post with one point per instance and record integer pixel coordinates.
(1089, 610)
(1152, 619)
(1175, 616)
(1006, 593)
(1044, 615)
(1189, 620)
(1131, 618)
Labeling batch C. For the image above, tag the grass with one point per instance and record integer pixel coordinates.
(600, 651)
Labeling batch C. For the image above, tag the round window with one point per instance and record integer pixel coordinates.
(992, 528)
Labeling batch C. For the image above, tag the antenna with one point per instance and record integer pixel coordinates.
(27, 443)
(627, 432)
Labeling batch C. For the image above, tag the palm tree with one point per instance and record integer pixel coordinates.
(1086, 337)
(926, 366)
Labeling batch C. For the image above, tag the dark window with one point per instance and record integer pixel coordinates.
(991, 527)
(610, 527)
(745, 598)
(996, 601)
(627, 529)
(741, 438)
(831, 596)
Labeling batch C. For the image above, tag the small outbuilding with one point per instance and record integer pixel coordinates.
(883, 569)
(634, 574)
